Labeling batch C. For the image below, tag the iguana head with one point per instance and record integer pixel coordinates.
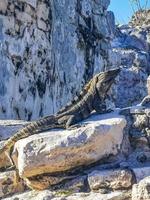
(105, 80)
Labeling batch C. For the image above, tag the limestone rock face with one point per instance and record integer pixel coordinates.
(61, 150)
(132, 51)
(46, 48)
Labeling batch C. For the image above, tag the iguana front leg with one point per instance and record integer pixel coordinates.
(70, 121)
(99, 107)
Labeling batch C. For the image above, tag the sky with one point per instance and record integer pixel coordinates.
(123, 10)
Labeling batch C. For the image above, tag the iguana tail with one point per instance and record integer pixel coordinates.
(31, 129)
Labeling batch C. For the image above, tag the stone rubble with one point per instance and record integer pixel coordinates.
(133, 53)
(98, 178)
(46, 48)
(37, 57)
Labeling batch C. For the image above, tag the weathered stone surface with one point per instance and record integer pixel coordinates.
(9, 184)
(47, 195)
(7, 129)
(44, 181)
(97, 196)
(141, 172)
(41, 40)
(128, 95)
(61, 150)
(33, 195)
(46, 47)
(141, 143)
(4, 161)
(10, 127)
(141, 191)
(111, 179)
(132, 50)
(148, 85)
(140, 156)
(78, 184)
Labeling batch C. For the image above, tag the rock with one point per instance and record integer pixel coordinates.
(141, 143)
(75, 185)
(111, 179)
(141, 191)
(9, 184)
(97, 196)
(33, 195)
(3, 6)
(33, 34)
(46, 48)
(141, 172)
(47, 195)
(4, 161)
(111, 23)
(61, 150)
(42, 182)
(41, 25)
(127, 95)
(146, 102)
(139, 158)
(133, 42)
(32, 3)
(148, 85)
(132, 46)
(9, 127)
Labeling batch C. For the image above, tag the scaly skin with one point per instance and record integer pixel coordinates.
(91, 98)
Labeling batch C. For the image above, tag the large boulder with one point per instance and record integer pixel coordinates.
(61, 150)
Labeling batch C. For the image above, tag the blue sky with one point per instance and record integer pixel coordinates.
(122, 9)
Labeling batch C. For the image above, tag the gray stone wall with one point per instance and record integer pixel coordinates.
(48, 50)
(131, 46)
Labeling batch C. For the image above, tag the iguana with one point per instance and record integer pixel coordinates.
(90, 98)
